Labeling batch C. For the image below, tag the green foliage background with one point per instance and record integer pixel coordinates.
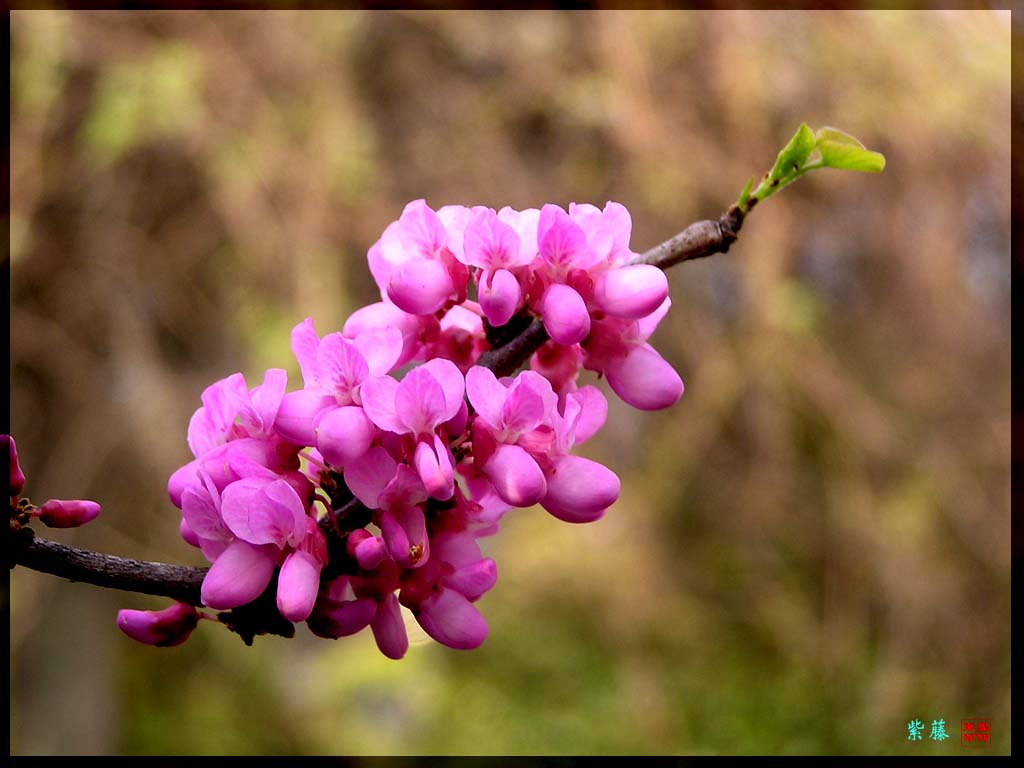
(812, 547)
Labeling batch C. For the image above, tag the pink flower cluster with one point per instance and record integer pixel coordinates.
(367, 490)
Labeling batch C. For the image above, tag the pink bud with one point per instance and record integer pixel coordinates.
(298, 412)
(171, 626)
(367, 549)
(564, 314)
(17, 476)
(632, 291)
(389, 629)
(580, 490)
(515, 476)
(500, 295)
(333, 620)
(297, 585)
(61, 513)
(420, 286)
(450, 618)
(644, 379)
(344, 434)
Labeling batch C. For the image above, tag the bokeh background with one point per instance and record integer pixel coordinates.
(812, 548)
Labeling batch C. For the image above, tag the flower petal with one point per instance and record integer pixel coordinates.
(631, 291)
(500, 296)
(169, 627)
(420, 402)
(420, 286)
(238, 576)
(580, 490)
(565, 314)
(451, 619)
(342, 367)
(487, 395)
(378, 396)
(297, 585)
(298, 413)
(342, 619)
(367, 476)
(389, 629)
(344, 434)
(381, 348)
(644, 379)
(515, 475)
(262, 511)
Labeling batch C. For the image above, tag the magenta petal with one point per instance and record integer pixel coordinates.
(580, 490)
(529, 401)
(262, 511)
(487, 395)
(181, 479)
(500, 297)
(342, 367)
(414, 523)
(342, 619)
(420, 402)
(380, 347)
(489, 242)
(593, 412)
(562, 244)
(515, 476)
(420, 286)
(632, 291)
(187, 534)
(389, 629)
(305, 343)
(298, 412)
(378, 398)
(297, 585)
(473, 580)
(238, 576)
(451, 619)
(395, 537)
(452, 383)
(384, 314)
(644, 379)
(565, 314)
(435, 469)
(369, 552)
(199, 512)
(266, 401)
(367, 476)
(171, 626)
(344, 434)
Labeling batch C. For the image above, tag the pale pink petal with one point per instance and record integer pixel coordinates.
(593, 412)
(529, 401)
(489, 243)
(453, 385)
(342, 367)
(607, 231)
(420, 286)
(486, 394)
(367, 476)
(187, 534)
(305, 343)
(182, 478)
(378, 397)
(380, 267)
(420, 401)
(645, 326)
(384, 314)
(201, 514)
(562, 244)
(238, 576)
(344, 434)
(516, 476)
(297, 585)
(473, 580)
(451, 619)
(459, 317)
(203, 435)
(389, 629)
(381, 348)
(455, 218)
(299, 411)
(500, 296)
(435, 469)
(632, 291)
(644, 379)
(420, 230)
(169, 627)
(580, 490)
(264, 512)
(525, 225)
(565, 314)
(266, 400)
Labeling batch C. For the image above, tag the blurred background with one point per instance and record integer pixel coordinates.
(811, 548)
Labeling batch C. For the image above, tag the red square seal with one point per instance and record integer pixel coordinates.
(976, 732)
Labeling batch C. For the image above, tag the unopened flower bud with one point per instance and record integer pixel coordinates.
(17, 476)
(68, 513)
(168, 627)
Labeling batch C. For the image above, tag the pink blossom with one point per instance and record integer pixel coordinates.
(68, 513)
(17, 476)
(169, 627)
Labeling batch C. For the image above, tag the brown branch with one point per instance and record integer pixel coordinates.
(183, 583)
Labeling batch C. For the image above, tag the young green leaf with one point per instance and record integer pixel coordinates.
(794, 154)
(841, 150)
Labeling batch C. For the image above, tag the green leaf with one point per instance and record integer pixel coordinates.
(795, 153)
(841, 150)
(745, 194)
